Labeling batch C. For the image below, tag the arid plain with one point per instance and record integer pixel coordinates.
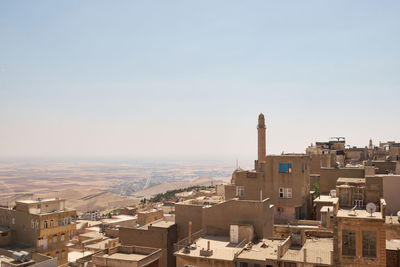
(89, 185)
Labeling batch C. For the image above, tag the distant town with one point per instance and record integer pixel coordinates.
(334, 205)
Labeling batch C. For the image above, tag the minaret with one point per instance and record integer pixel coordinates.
(261, 138)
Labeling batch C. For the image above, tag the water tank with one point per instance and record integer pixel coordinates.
(18, 256)
(27, 255)
(333, 193)
(234, 234)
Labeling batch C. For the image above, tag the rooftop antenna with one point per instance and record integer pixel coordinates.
(354, 211)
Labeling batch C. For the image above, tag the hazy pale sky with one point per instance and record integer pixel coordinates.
(189, 78)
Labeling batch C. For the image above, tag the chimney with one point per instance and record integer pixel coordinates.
(190, 233)
(261, 138)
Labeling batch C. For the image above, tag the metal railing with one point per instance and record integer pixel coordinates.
(184, 242)
(239, 247)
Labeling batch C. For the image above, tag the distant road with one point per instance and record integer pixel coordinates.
(148, 180)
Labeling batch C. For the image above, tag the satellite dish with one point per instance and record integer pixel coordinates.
(371, 208)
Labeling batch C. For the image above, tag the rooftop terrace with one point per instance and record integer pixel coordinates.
(359, 214)
(221, 248)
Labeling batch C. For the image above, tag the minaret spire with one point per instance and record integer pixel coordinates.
(261, 138)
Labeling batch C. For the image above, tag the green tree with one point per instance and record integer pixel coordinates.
(316, 188)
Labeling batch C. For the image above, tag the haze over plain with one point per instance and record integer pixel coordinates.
(184, 79)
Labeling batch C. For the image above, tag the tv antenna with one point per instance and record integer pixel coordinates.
(371, 208)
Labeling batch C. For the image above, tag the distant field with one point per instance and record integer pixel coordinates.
(102, 185)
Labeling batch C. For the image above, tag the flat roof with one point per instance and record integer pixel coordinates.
(359, 214)
(393, 244)
(74, 255)
(351, 180)
(220, 245)
(161, 223)
(324, 198)
(327, 208)
(92, 234)
(99, 245)
(30, 201)
(318, 252)
(265, 249)
(120, 218)
(392, 220)
(125, 256)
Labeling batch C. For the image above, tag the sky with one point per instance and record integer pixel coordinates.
(187, 79)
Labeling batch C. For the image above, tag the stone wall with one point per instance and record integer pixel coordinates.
(329, 177)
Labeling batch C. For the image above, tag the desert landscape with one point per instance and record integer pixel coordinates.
(103, 185)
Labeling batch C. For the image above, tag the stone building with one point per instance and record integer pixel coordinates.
(41, 225)
(216, 218)
(329, 176)
(159, 234)
(284, 179)
(359, 238)
(128, 256)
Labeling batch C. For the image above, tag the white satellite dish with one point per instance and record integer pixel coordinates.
(371, 208)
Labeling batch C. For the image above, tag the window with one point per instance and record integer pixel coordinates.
(52, 223)
(358, 196)
(45, 225)
(369, 244)
(55, 239)
(243, 264)
(240, 191)
(62, 237)
(348, 243)
(285, 192)
(32, 224)
(13, 220)
(285, 167)
(63, 254)
(57, 255)
(288, 192)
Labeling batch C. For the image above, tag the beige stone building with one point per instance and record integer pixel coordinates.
(216, 218)
(128, 256)
(41, 225)
(360, 238)
(284, 179)
(329, 176)
(160, 234)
